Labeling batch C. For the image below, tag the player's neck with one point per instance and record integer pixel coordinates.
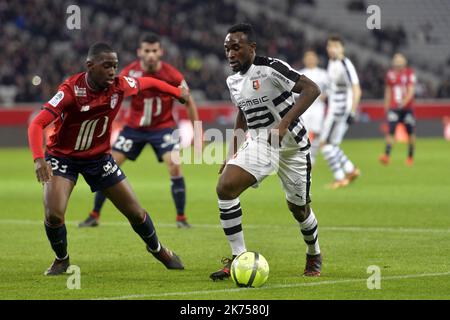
(247, 66)
(152, 69)
(91, 84)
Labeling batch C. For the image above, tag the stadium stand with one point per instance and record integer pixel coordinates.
(39, 51)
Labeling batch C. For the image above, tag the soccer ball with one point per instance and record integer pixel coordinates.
(249, 269)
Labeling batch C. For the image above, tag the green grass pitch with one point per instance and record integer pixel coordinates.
(396, 218)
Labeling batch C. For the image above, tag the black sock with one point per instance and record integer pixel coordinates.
(178, 189)
(58, 239)
(387, 151)
(98, 202)
(410, 151)
(147, 232)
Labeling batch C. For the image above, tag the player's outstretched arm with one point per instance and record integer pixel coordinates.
(309, 92)
(35, 140)
(181, 93)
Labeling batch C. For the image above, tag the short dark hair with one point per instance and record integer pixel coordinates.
(98, 48)
(336, 38)
(245, 28)
(149, 37)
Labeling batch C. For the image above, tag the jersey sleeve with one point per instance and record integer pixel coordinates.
(129, 85)
(60, 101)
(352, 76)
(282, 75)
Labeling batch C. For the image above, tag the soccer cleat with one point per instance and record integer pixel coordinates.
(182, 223)
(313, 265)
(409, 162)
(384, 159)
(91, 221)
(168, 258)
(338, 184)
(58, 267)
(353, 175)
(223, 273)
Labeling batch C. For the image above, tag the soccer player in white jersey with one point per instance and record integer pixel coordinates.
(343, 100)
(314, 116)
(262, 90)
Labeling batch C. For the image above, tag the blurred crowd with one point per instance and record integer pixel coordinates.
(39, 51)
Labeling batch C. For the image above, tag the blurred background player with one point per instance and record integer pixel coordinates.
(313, 117)
(151, 122)
(343, 101)
(83, 110)
(398, 100)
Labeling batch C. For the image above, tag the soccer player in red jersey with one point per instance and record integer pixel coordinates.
(151, 122)
(82, 111)
(398, 103)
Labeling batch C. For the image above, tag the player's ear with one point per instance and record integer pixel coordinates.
(89, 65)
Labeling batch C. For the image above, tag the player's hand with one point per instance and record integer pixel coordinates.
(351, 119)
(43, 170)
(276, 135)
(185, 94)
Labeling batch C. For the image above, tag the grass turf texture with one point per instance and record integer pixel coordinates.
(395, 217)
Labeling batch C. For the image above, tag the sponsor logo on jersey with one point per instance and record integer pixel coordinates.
(85, 108)
(256, 84)
(253, 102)
(114, 100)
(80, 92)
(56, 99)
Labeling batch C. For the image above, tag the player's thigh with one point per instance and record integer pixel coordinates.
(129, 144)
(334, 131)
(101, 173)
(124, 199)
(393, 118)
(233, 181)
(164, 141)
(410, 122)
(252, 163)
(56, 197)
(295, 177)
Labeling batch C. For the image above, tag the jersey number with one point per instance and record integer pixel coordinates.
(86, 133)
(123, 144)
(146, 118)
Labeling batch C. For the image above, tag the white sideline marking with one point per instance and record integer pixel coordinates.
(276, 286)
(247, 226)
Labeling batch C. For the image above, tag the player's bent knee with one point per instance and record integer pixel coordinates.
(225, 190)
(53, 219)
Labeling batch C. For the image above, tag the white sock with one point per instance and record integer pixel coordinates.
(231, 220)
(309, 231)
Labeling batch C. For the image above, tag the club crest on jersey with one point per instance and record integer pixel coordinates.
(114, 100)
(256, 84)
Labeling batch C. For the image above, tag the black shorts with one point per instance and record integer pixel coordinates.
(99, 174)
(405, 116)
(131, 142)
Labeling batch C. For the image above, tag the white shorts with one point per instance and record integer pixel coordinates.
(334, 129)
(313, 118)
(293, 167)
